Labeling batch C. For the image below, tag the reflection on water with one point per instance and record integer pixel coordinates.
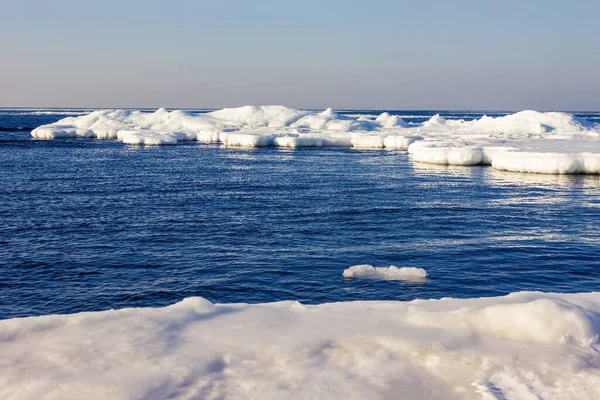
(496, 177)
(549, 198)
(522, 239)
(239, 153)
(445, 170)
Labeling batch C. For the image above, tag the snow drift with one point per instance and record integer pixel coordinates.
(521, 346)
(527, 141)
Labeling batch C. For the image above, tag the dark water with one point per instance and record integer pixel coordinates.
(92, 225)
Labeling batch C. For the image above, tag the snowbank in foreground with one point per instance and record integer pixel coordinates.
(527, 141)
(526, 345)
(391, 273)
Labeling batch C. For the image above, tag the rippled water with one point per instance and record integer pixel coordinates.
(92, 225)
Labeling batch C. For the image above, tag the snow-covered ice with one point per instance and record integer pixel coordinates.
(391, 273)
(153, 137)
(527, 141)
(521, 346)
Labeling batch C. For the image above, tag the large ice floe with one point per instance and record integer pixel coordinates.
(526, 345)
(527, 141)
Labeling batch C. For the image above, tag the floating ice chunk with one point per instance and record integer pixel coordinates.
(247, 140)
(464, 156)
(58, 131)
(556, 143)
(489, 152)
(297, 141)
(254, 116)
(547, 163)
(368, 141)
(435, 121)
(391, 273)
(150, 137)
(207, 137)
(326, 120)
(398, 142)
(184, 136)
(337, 142)
(446, 155)
(529, 121)
(391, 121)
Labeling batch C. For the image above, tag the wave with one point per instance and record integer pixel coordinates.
(16, 128)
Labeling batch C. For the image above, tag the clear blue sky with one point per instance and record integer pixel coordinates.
(341, 54)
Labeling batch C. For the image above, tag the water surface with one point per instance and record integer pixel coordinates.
(92, 225)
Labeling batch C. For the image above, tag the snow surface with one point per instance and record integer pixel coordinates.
(391, 273)
(527, 141)
(527, 345)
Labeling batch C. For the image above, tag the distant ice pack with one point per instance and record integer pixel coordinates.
(527, 141)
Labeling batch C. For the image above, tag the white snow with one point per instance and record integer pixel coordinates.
(521, 346)
(368, 141)
(399, 142)
(297, 141)
(447, 155)
(390, 121)
(547, 163)
(391, 273)
(527, 141)
(153, 137)
(247, 140)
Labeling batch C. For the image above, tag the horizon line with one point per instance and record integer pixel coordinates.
(341, 109)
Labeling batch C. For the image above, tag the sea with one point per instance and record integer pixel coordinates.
(89, 225)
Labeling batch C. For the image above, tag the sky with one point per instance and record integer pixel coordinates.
(378, 54)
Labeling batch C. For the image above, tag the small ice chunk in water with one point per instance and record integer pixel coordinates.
(391, 273)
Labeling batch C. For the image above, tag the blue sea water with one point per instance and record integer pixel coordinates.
(91, 225)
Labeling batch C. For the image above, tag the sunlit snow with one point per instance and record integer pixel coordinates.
(524, 345)
(527, 141)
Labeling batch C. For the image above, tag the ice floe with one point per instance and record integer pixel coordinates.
(527, 141)
(520, 346)
(391, 273)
